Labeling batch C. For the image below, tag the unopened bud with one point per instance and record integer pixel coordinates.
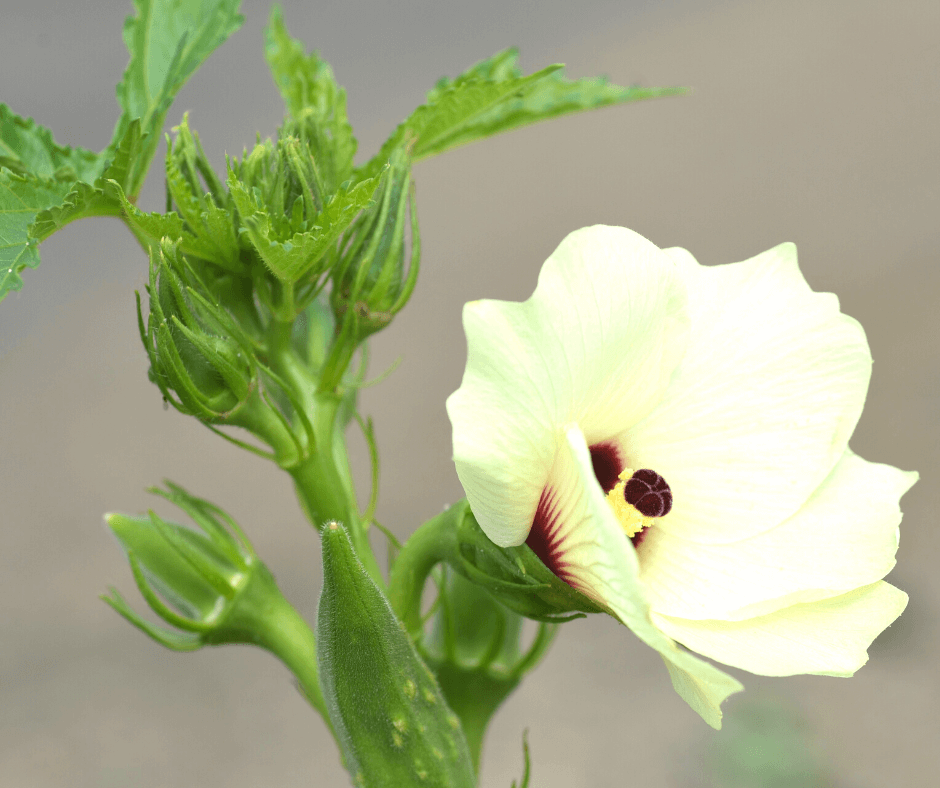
(197, 581)
(199, 357)
(370, 282)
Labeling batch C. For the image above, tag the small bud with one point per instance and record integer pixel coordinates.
(195, 580)
(197, 194)
(199, 357)
(289, 219)
(370, 284)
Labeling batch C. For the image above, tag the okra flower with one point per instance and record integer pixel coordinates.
(671, 439)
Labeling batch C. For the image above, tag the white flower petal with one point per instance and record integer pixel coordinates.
(844, 537)
(829, 637)
(592, 553)
(596, 344)
(763, 403)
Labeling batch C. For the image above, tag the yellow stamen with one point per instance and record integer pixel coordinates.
(631, 520)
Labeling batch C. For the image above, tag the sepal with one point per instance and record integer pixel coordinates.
(202, 203)
(475, 649)
(514, 575)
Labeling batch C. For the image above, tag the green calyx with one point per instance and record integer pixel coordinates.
(474, 647)
(200, 358)
(195, 580)
(371, 282)
(512, 575)
(474, 644)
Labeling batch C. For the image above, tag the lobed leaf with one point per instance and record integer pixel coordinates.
(167, 41)
(101, 198)
(27, 148)
(492, 97)
(22, 197)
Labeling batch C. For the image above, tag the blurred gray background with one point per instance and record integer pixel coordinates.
(814, 122)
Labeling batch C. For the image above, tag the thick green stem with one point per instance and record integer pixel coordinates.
(323, 481)
(322, 478)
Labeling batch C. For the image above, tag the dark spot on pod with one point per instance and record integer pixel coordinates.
(649, 493)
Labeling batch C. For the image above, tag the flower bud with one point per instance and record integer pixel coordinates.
(290, 218)
(370, 284)
(197, 194)
(199, 581)
(199, 357)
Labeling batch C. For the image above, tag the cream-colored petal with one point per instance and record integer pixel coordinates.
(597, 558)
(763, 403)
(845, 536)
(829, 637)
(595, 344)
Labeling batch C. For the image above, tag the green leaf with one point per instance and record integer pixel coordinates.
(391, 720)
(27, 148)
(167, 41)
(21, 198)
(33, 207)
(492, 97)
(101, 199)
(450, 108)
(290, 257)
(311, 94)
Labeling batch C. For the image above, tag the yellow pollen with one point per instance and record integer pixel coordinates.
(631, 520)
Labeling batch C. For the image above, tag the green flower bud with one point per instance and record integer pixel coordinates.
(201, 582)
(370, 283)
(200, 358)
(198, 196)
(290, 219)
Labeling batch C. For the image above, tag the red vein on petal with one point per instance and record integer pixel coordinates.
(545, 536)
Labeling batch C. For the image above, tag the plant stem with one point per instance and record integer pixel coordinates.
(425, 548)
(323, 478)
(262, 616)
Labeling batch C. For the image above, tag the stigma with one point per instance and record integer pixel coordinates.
(638, 499)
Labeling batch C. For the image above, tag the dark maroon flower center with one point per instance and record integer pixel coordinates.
(648, 493)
